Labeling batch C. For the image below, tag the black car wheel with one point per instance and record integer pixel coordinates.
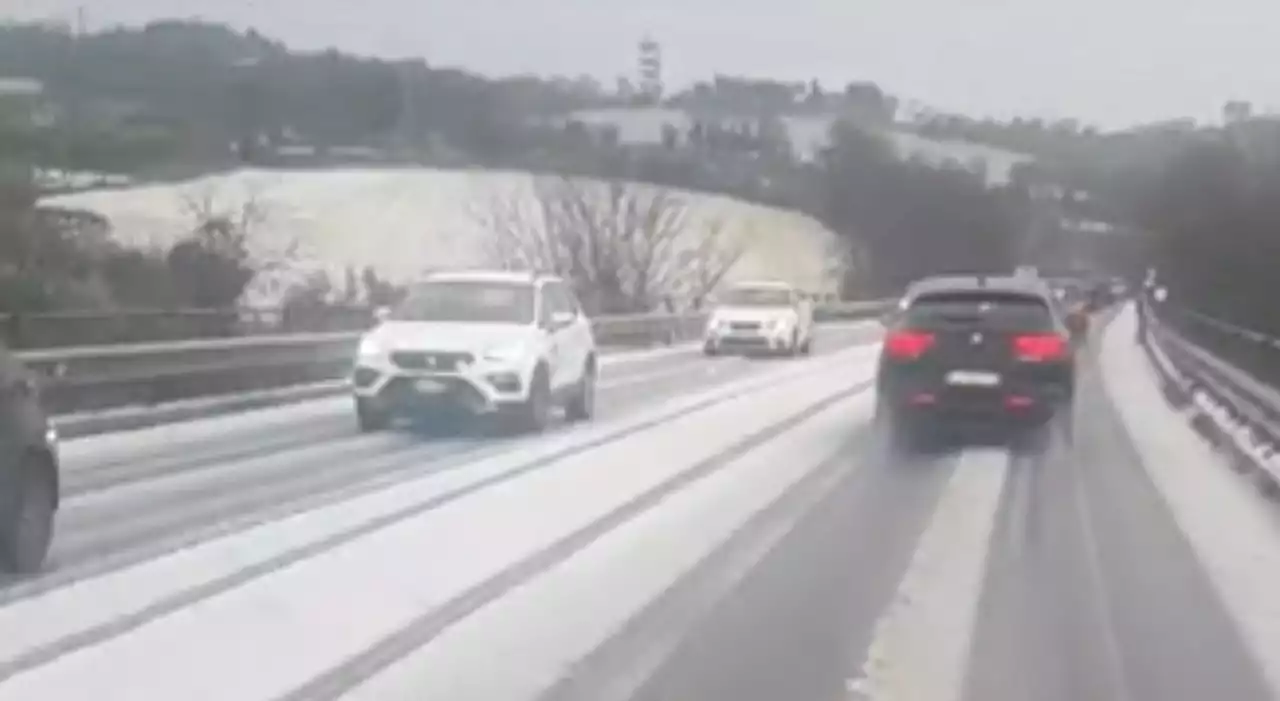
(27, 511)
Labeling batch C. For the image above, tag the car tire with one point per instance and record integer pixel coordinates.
(582, 404)
(371, 418)
(710, 350)
(27, 510)
(806, 348)
(534, 414)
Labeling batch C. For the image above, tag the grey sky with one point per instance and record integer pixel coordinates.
(1111, 62)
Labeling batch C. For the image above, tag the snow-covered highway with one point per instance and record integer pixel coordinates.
(726, 529)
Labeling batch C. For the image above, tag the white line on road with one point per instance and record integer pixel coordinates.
(921, 645)
(518, 646)
(139, 494)
(329, 606)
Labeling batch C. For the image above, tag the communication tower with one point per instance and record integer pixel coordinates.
(650, 70)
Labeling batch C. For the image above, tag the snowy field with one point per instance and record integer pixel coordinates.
(401, 222)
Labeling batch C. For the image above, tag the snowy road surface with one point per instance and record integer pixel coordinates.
(727, 529)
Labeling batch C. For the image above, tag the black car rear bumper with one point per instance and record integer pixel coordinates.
(1012, 407)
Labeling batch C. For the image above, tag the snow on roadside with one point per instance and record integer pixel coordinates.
(1233, 531)
(402, 221)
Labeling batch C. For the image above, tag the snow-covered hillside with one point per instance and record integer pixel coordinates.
(404, 221)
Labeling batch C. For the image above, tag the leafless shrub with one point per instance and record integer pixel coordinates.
(626, 248)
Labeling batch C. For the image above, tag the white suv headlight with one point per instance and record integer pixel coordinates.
(370, 349)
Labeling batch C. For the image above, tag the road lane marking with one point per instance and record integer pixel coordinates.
(1106, 609)
(921, 644)
(344, 446)
(102, 603)
(519, 646)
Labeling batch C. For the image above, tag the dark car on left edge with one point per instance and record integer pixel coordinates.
(29, 480)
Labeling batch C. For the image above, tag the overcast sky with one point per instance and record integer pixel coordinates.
(1110, 62)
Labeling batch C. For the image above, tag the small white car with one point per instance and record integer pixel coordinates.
(506, 344)
(765, 316)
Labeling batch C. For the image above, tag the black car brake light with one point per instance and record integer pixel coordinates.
(1040, 347)
(908, 344)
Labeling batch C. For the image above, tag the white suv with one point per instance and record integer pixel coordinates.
(766, 316)
(478, 343)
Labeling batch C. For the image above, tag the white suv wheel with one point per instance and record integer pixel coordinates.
(582, 405)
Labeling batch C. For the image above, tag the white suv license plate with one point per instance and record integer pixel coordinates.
(432, 387)
(973, 378)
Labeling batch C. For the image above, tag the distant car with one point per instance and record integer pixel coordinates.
(764, 317)
(29, 475)
(974, 352)
(502, 344)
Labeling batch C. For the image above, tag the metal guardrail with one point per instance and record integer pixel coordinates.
(86, 378)
(1187, 368)
(102, 327)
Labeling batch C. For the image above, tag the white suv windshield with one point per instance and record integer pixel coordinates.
(481, 302)
(757, 297)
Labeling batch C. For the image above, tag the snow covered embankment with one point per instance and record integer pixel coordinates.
(1222, 420)
(400, 222)
(1232, 531)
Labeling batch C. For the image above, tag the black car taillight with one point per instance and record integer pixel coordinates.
(908, 345)
(1040, 348)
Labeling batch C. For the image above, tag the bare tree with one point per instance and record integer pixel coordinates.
(213, 265)
(224, 228)
(625, 247)
(845, 259)
(702, 268)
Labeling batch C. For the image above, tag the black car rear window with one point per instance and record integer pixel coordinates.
(996, 310)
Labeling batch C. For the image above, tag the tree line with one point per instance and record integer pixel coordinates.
(189, 93)
(1205, 200)
(1214, 216)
